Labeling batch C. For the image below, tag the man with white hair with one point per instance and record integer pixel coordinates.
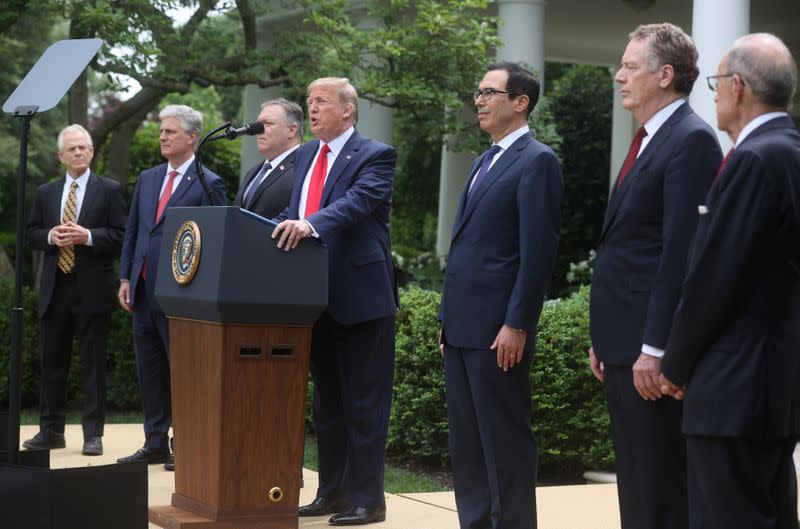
(78, 222)
(734, 349)
(172, 184)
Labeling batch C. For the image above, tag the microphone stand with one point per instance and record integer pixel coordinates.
(198, 163)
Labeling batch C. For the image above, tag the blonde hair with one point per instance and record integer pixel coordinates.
(345, 91)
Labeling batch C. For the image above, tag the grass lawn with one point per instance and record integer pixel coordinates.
(396, 479)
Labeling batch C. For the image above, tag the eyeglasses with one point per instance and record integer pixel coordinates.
(487, 93)
(713, 80)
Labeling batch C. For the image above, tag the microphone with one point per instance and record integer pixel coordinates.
(251, 129)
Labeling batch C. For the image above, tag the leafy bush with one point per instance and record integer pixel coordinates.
(570, 420)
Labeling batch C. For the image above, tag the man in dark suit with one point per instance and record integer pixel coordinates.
(735, 336)
(173, 184)
(640, 264)
(502, 253)
(268, 185)
(342, 195)
(78, 222)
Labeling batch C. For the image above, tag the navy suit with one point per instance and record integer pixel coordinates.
(640, 264)
(736, 336)
(352, 346)
(502, 253)
(150, 329)
(79, 303)
(273, 193)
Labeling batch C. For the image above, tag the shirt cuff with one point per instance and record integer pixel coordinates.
(652, 351)
(313, 231)
(49, 240)
(89, 238)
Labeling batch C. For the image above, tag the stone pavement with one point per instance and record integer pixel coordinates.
(562, 507)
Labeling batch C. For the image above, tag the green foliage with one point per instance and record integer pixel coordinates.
(582, 99)
(29, 357)
(418, 425)
(570, 420)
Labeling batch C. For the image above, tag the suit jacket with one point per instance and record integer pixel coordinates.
(736, 333)
(503, 248)
(273, 194)
(647, 229)
(143, 234)
(353, 221)
(102, 213)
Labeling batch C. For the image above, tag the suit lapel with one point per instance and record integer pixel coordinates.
(273, 176)
(54, 211)
(344, 158)
(462, 203)
(153, 188)
(92, 188)
(618, 194)
(239, 199)
(186, 182)
(507, 158)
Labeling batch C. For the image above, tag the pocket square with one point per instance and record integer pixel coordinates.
(701, 209)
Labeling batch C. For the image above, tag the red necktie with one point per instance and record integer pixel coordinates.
(633, 152)
(162, 205)
(162, 202)
(724, 161)
(314, 196)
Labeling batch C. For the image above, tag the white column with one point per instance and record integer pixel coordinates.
(715, 25)
(375, 121)
(623, 126)
(253, 97)
(522, 33)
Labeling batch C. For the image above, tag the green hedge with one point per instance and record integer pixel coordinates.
(570, 419)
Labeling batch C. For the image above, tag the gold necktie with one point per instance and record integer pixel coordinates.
(66, 254)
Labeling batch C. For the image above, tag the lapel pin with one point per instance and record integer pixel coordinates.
(281, 167)
(348, 156)
(702, 209)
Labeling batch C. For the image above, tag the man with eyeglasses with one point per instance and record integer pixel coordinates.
(734, 349)
(502, 252)
(639, 269)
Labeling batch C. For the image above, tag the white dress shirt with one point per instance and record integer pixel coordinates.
(273, 163)
(504, 144)
(181, 172)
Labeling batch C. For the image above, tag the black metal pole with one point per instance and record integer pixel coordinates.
(26, 115)
(198, 159)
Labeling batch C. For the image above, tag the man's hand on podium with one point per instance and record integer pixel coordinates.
(291, 233)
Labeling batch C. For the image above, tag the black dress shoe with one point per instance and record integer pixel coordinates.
(170, 464)
(44, 440)
(359, 516)
(151, 457)
(92, 446)
(321, 506)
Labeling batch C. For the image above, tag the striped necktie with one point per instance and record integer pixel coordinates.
(66, 254)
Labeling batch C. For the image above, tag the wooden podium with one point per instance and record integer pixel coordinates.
(240, 315)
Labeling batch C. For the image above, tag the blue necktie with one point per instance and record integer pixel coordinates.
(487, 161)
(248, 197)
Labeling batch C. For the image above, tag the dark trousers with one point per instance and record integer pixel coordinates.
(650, 453)
(151, 343)
(492, 447)
(353, 371)
(743, 483)
(60, 323)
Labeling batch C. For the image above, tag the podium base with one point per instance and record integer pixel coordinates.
(170, 517)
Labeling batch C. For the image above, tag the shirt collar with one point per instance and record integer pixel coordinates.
(660, 117)
(82, 180)
(281, 157)
(182, 168)
(757, 122)
(509, 139)
(337, 144)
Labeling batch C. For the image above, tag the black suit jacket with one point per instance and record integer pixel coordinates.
(505, 238)
(273, 194)
(736, 333)
(103, 212)
(648, 226)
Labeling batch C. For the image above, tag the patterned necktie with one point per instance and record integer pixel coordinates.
(66, 254)
(724, 161)
(633, 152)
(315, 187)
(162, 202)
(251, 191)
(487, 161)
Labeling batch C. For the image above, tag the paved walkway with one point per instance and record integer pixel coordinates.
(565, 507)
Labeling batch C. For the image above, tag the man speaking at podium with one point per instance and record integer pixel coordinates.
(172, 184)
(342, 195)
